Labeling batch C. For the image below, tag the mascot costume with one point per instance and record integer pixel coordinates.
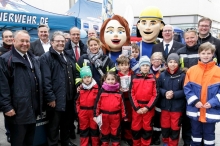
(149, 27)
(114, 34)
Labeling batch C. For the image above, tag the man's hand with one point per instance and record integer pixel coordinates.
(78, 88)
(10, 113)
(199, 104)
(52, 104)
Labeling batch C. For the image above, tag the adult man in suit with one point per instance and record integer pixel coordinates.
(75, 44)
(168, 45)
(58, 75)
(20, 90)
(41, 45)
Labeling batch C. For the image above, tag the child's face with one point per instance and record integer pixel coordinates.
(144, 68)
(123, 67)
(156, 61)
(110, 79)
(135, 53)
(206, 55)
(172, 65)
(87, 80)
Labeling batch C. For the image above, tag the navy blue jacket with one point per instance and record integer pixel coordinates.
(175, 83)
(54, 78)
(83, 49)
(17, 91)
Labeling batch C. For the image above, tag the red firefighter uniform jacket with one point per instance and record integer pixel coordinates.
(143, 91)
(109, 102)
(86, 99)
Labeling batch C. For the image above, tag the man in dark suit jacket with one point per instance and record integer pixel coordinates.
(167, 33)
(75, 44)
(41, 45)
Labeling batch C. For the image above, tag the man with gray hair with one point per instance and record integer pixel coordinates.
(168, 45)
(41, 45)
(58, 75)
(20, 90)
(92, 33)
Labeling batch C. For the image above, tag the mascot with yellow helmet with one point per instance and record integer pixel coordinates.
(149, 27)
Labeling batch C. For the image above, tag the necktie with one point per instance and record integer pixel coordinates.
(62, 56)
(26, 59)
(76, 53)
(166, 49)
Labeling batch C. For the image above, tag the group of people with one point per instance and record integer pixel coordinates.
(137, 97)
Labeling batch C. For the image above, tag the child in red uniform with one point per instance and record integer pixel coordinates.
(110, 104)
(143, 95)
(125, 77)
(85, 105)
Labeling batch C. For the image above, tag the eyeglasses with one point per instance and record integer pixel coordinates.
(58, 41)
(204, 26)
(188, 29)
(167, 31)
(67, 38)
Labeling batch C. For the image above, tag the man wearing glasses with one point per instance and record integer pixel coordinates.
(41, 45)
(204, 26)
(67, 37)
(58, 75)
(168, 45)
(75, 44)
(7, 38)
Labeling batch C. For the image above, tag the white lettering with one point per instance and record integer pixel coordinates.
(11, 15)
(1, 16)
(5, 18)
(29, 19)
(46, 20)
(24, 19)
(18, 18)
(34, 20)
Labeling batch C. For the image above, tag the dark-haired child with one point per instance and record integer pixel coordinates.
(110, 104)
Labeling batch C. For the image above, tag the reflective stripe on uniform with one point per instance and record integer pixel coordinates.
(209, 142)
(191, 99)
(218, 96)
(212, 116)
(193, 114)
(189, 56)
(195, 139)
(135, 67)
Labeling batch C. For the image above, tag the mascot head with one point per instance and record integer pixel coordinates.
(114, 34)
(150, 24)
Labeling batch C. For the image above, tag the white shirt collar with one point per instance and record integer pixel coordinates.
(22, 55)
(170, 43)
(48, 42)
(73, 44)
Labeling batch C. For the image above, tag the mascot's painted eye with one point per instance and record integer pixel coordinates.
(121, 32)
(110, 32)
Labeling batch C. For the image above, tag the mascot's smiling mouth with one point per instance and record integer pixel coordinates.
(116, 41)
(148, 32)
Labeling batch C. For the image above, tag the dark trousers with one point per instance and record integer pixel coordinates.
(22, 135)
(7, 127)
(59, 120)
(186, 129)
